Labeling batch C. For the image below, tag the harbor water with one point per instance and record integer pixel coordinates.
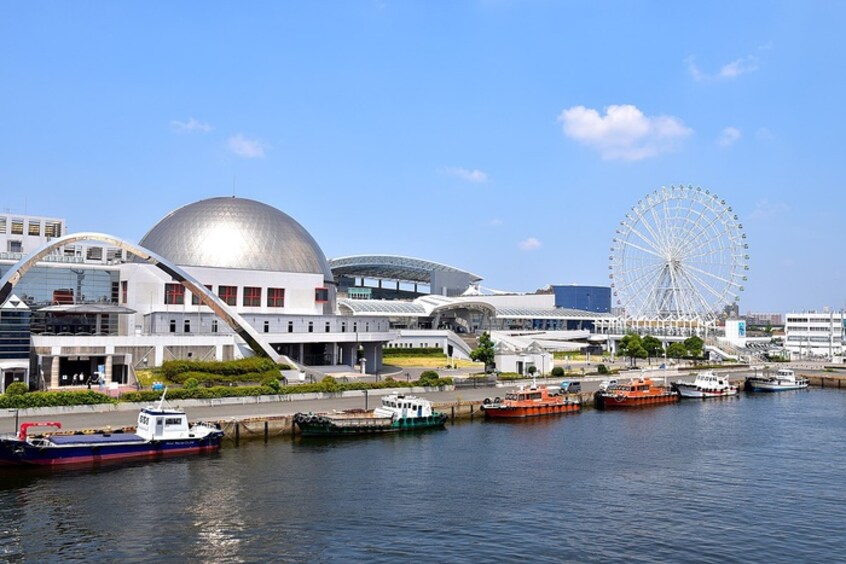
(754, 478)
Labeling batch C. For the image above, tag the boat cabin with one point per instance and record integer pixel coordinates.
(155, 423)
(402, 406)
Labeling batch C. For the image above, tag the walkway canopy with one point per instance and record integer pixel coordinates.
(394, 267)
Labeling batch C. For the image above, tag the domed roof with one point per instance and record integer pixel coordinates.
(236, 233)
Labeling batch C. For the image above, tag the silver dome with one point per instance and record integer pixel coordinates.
(236, 233)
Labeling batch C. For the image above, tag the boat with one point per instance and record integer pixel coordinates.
(638, 392)
(706, 385)
(160, 431)
(397, 413)
(532, 401)
(783, 379)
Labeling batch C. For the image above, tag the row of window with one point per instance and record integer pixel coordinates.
(251, 297)
(327, 326)
(16, 227)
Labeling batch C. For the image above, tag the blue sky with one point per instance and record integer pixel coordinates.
(507, 138)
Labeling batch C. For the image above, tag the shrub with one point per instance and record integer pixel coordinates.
(53, 399)
(602, 369)
(191, 383)
(272, 383)
(426, 377)
(329, 384)
(16, 389)
(171, 369)
(557, 372)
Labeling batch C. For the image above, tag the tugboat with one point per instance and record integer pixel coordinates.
(397, 413)
(706, 385)
(159, 432)
(638, 392)
(784, 379)
(534, 401)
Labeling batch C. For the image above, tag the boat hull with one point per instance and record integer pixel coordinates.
(315, 425)
(692, 392)
(772, 387)
(523, 412)
(14, 452)
(609, 401)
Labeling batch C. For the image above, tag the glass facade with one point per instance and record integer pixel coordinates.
(45, 285)
(14, 333)
(586, 298)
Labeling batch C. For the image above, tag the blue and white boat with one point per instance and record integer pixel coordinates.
(784, 379)
(160, 432)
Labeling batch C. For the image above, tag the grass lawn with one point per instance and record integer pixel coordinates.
(428, 362)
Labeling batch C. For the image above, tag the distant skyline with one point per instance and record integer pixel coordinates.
(505, 138)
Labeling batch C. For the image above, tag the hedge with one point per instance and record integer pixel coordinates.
(401, 351)
(53, 399)
(207, 378)
(172, 368)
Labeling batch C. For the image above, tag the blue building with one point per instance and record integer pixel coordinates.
(596, 299)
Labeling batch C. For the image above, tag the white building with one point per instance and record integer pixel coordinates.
(814, 335)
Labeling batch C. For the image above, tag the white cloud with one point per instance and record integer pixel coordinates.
(765, 209)
(624, 132)
(730, 70)
(190, 126)
(247, 148)
(728, 137)
(475, 176)
(529, 244)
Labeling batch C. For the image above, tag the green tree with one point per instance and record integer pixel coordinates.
(694, 346)
(676, 350)
(531, 370)
(652, 346)
(484, 352)
(631, 346)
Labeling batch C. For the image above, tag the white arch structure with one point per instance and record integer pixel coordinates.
(235, 321)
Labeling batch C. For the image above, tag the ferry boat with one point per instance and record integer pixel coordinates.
(783, 379)
(534, 401)
(397, 413)
(706, 385)
(160, 431)
(638, 392)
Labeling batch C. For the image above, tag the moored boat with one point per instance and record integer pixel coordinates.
(638, 392)
(160, 431)
(784, 379)
(397, 413)
(706, 385)
(533, 401)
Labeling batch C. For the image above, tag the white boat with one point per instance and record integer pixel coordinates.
(706, 385)
(783, 379)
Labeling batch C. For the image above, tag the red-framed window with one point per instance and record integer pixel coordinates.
(252, 296)
(276, 297)
(229, 294)
(195, 299)
(174, 294)
(321, 295)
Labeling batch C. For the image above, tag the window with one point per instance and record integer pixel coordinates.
(17, 227)
(343, 326)
(2, 224)
(327, 326)
(355, 327)
(15, 247)
(94, 253)
(321, 295)
(229, 294)
(34, 228)
(290, 327)
(311, 326)
(252, 297)
(124, 290)
(214, 325)
(195, 298)
(276, 297)
(52, 229)
(187, 327)
(267, 326)
(174, 294)
(173, 326)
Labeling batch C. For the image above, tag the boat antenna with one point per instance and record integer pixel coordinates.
(162, 400)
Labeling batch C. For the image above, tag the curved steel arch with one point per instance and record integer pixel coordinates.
(235, 321)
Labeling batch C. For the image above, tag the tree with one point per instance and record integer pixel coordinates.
(652, 346)
(484, 352)
(531, 370)
(676, 350)
(694, 346)
(631, 345)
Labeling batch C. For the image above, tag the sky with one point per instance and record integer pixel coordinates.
(505, 138)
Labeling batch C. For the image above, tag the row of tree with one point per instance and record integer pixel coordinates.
(634, 347)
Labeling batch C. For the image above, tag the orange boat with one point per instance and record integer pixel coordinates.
(534, 401)
(638, 392)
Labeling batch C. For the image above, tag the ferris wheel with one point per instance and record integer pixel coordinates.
(680, 253)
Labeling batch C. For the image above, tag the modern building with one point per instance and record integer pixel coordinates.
(586, 298)
(211, 280)
(815, 335)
